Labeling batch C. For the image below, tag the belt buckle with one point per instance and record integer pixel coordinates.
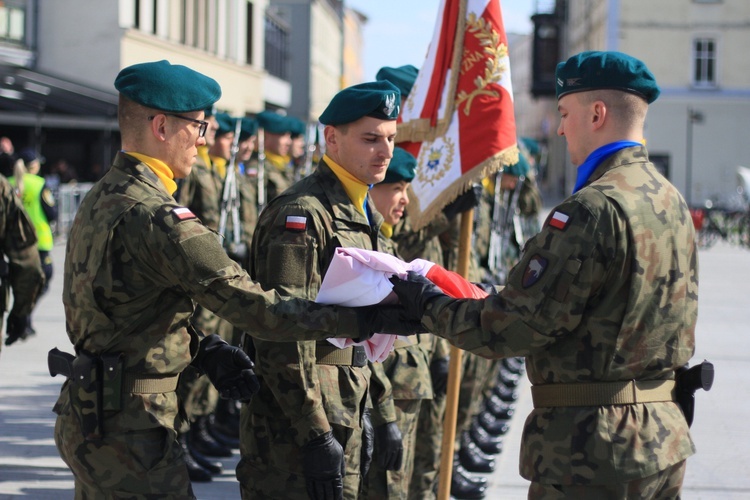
(359, 357)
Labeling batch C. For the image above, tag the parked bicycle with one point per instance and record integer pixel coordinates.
(727, 223)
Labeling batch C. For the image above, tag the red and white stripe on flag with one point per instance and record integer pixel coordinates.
(559, 220)
(480, 137)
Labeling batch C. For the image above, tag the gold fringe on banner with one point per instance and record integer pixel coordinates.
(421, 217)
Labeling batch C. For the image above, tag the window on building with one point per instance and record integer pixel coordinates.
(277, 47)
(704, 62)
(12, 23)
(249, 34)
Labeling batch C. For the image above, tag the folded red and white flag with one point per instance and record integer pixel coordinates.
(358, 277)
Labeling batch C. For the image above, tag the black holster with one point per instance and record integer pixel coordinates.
(689, 380)
(95, 386)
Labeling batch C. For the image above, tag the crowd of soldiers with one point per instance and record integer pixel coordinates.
(248, 160)
(192, 270)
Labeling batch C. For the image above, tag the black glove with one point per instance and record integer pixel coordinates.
(229, 369)
(414, 293)
(368, 442)
(17, 328)
(470, 199)
(323, 461)
(386, 319)
(439, 375)
(390, 446)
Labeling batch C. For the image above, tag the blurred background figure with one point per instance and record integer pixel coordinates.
(39, 203)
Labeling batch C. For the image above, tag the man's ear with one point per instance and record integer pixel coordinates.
(598, 114)
(159, 127)
(331, 136)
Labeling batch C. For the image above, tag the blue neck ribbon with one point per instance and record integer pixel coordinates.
(596, 158)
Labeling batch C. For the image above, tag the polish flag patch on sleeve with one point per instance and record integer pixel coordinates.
(559, 220)
(183, 213)
(296, 222)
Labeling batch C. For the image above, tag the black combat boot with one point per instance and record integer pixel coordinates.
(489, 444)
(196, 473)
(463, 488)
(200, 440)
(472, 458)
(493, 425)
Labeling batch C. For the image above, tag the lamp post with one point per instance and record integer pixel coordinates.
(694, 116)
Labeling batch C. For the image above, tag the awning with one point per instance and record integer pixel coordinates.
(30, 98)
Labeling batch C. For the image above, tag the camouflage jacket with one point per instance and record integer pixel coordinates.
(200, 191)
(607, 291)
(18, 240)
(135, 262)
(407, 368)
(293, 245)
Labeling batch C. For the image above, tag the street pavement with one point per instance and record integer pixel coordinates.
(30, 467)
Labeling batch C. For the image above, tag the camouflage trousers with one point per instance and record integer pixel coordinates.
(136, 465)
(429, 442)
(664, 485)
(271, 463)
(474, 378)
(394, 484)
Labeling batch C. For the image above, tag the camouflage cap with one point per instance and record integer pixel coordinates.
(594, 70)
(402, 77)
(381, 100)
(272, 122)
(227, 123)
(167, 87)
(403, 167)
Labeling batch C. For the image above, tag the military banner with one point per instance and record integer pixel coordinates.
(458, 120)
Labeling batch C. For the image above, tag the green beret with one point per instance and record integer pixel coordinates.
(209, 111)
(531, 145)
(248, 128)
(226, 123)
(519, 168)
(402, 77)
(273, 122)
(403, 167)
(296, 126)
(605, 70)
(167, 87)
(381, 100)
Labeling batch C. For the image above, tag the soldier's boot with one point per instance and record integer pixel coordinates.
(200, 440)
(498, 407)
(472, 478)
(195, 471)
(463, 488)
(221, 433)
(472, 458)
(489, 444)
(493, 425)
(213, 466)
(505, 393)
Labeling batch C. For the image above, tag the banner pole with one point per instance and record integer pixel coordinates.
(445, 472)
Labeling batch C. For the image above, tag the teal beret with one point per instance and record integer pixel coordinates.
(167, 87)
(402, 77)
(248, 128)
(209, 111)
(296, 126)
(519, 168)
(594, 70)
(273, 122)
(226, 123)
(531, 145)
(403, 167)
(381, 100)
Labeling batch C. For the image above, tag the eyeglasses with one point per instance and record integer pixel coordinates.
(203, 125)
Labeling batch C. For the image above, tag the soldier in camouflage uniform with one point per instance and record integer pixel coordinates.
(407, 366)
(277, 141)
(602, 304)
(135, 263)
(22, 272)
(303, 431)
